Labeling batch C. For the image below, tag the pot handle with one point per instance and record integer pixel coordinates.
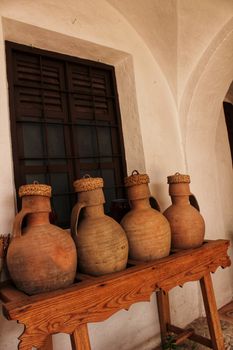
(154, 203)
(74, 217)
(16, 232)
(193, 201)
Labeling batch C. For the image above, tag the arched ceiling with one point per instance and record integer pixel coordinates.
(177, 32)
(156, 22)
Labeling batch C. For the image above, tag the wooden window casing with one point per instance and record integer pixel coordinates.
(65, 123)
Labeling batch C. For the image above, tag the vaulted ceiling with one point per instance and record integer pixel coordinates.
(177, 32)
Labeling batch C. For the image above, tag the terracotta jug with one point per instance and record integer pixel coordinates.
(148, 231)
(101, 241)
(187, 224)
(41, 257)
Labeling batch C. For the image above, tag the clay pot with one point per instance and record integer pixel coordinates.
(187, 224)
(148, 231)
(101, 242)
(41, 257)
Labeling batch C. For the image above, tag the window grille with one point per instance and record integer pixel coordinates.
(65, 122)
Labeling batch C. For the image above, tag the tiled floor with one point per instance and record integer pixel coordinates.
(200, 326)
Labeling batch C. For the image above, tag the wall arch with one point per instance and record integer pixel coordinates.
(213, 49)
(212, 178)
(101, 33)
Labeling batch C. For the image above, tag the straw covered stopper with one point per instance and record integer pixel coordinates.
(178, 178)
(136, 179)
(88, 183)
(35, 189)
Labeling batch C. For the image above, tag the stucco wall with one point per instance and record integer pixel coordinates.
(140, 119)
(201, 21)
(170, 116)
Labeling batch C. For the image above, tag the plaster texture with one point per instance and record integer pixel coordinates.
(173, 62)
(159, 35)
(201, 21)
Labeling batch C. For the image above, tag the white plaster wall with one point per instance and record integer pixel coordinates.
(224, 178)
(156, 23)
(161, 136)
(195, 75)
(202, 124)
(204, 57)
(102, 33)
(88, 22)
(224, 172)
(205, 71)
(200, 21)
(203, 154)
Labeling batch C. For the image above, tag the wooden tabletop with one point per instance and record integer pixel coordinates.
(93, 299)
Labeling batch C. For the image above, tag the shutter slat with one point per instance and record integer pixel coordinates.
(55, 95)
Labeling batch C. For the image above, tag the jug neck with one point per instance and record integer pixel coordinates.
(36, 204)
(138, 192)
(142, 203)
(94, 211)
(181, 200)
(92, 198)
(38, 219)
(179, 189)
(179, 193)
(39, 208)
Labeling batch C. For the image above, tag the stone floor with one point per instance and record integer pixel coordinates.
(200, 326)
(226, 312)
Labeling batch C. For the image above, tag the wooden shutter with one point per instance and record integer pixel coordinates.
(65, 122)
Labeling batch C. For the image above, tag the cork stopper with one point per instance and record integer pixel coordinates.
(178, 178)
(88, 183)
(35, 189)
(136, 179)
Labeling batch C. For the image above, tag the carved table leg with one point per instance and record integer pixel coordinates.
(164, 313)
(23, 346)
(212, 312)
(80, 339)
(29, 340)
(48, 345)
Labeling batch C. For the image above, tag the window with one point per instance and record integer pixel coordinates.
(228, 110)
(65, 123)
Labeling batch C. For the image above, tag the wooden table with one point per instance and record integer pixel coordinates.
(94, 299)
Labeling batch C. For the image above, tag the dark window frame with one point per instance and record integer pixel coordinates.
(73, 161)
(228, 111)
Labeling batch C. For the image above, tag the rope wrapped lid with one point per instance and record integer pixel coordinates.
(136, 179)
(88, 183)
(178, 178)
(35, 189)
